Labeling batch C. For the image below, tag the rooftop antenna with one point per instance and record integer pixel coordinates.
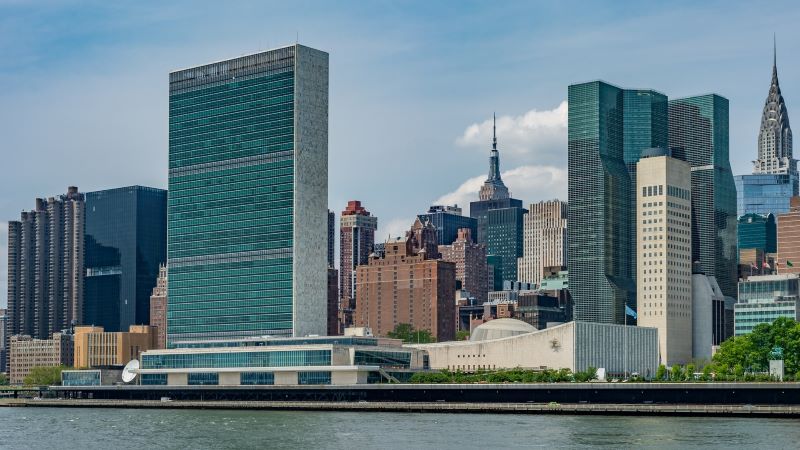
(494, 131)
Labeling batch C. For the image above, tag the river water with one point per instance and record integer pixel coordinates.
(65, 428)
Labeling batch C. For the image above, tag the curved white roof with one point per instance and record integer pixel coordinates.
(500, 328)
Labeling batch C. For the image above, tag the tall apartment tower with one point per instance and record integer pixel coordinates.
(406, 287)
(544, 241)
(356, 241)
(126, 242)
(664, 247)
(470, 261)
(499, 220)
(248, 188)
(158, 308)
(608, 129)
(45, 267)
(698, 134)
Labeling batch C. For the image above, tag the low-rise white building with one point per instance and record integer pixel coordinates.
(575, 345)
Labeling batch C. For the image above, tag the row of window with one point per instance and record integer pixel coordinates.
(223, 249)
(273, 328)
(260, 108)
(229, 359)
(209, 151)
(178, 103)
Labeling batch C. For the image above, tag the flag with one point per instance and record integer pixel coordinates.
(789, 263)
(630, 312)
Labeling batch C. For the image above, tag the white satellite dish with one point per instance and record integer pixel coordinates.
(128, 373)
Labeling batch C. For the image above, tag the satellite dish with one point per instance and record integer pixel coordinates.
(128, 373)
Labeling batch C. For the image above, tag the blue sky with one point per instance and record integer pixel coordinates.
(413, 86)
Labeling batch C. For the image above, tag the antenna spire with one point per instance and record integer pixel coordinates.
(494, 131)
(774, 51)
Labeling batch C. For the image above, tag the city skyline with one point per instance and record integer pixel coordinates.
(127, 146)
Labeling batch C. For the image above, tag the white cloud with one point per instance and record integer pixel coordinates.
(536, 134)
(394, 227)
(528, 183)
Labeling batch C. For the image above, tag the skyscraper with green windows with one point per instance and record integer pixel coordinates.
(698, 133)
(609, 127)
(247, 209)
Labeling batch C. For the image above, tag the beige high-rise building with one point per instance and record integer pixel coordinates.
(95, 347)
(544, 240)
(664, 252)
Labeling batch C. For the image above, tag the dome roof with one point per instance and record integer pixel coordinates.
(500, 328)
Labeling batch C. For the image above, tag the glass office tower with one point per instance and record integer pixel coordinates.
(248, 188)
(600, 239)
(644, 126)
(698, 133)
(448, 220)
(762, 193)
(758, 231)
(125, 242)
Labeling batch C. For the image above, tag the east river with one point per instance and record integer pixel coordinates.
(67, 428)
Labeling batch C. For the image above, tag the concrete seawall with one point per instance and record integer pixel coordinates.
(433, 407)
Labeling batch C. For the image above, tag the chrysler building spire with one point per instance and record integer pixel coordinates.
(775, 136)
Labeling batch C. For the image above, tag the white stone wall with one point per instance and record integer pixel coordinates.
(551, 348)
(310, 273)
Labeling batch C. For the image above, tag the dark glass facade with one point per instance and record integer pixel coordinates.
(600, 239)
(504, 241)
(256, 378)
(698, 133)
(247, 214)
(758, 231)
(316, 377)
(448, 223)
(125, 242)
(225, 359)
(644, 126)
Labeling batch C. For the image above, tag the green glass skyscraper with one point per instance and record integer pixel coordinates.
(698, 133)
(609, 127)
(247, 209)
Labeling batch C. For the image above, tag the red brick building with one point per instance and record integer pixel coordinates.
(406, 286)
(470, 261)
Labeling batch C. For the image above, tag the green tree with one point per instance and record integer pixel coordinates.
(690, 370)
(44, 376)
(752, 351)
(462, 335)
(3, 379)
(676, 373)
(408, 334)
(707, 370)
(661, 373)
